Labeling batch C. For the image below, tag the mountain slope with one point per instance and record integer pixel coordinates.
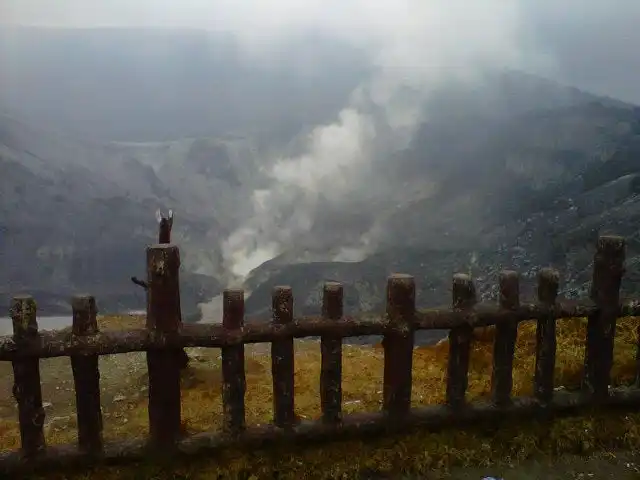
(515, 166)
(173, 119)
(156, 84)
(532, 191)
(67, 227)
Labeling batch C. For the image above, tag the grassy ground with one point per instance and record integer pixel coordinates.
(622, 465)
(124, 403)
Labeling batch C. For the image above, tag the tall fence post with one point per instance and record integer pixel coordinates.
(163, 318)
(331, 352)
(282, 361)
(608, 269)
(27, 389)
(233, 375)
(505, 340)
(398, 345)
(464, 298)
(86, 378)
(548, 283)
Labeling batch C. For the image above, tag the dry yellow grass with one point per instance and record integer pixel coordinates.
(362, 385)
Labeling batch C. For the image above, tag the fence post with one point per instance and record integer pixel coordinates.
(282, 361)
(464, 298)
(548, 282)
(505, 340)
(331, 352)
(163, 317)
(86, 378)
(26, 374)
(233, 375)
(608, 269)
(398, 345)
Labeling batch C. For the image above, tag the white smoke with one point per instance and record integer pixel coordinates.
(335, 154)
(416, 47)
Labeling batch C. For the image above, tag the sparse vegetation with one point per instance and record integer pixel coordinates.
(124, 404)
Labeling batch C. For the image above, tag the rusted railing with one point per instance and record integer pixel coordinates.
(164, 333)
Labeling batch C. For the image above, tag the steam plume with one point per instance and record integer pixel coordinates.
(416, 46)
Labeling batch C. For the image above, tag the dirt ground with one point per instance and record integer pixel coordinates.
(122, 375)
(123, 385)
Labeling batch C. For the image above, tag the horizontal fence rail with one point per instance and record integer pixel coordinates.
(49, 344)
(165, 335)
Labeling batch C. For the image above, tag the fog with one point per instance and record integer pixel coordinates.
(415, 47)
(593, 42)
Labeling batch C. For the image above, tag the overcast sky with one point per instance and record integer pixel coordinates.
(594, 43)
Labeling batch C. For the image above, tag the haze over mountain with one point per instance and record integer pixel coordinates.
(430, 142)
(148, 84)
(73, 187)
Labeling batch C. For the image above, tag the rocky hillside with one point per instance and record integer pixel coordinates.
(536, 191)
(533, 188)
(75, 217)
(99, 127)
